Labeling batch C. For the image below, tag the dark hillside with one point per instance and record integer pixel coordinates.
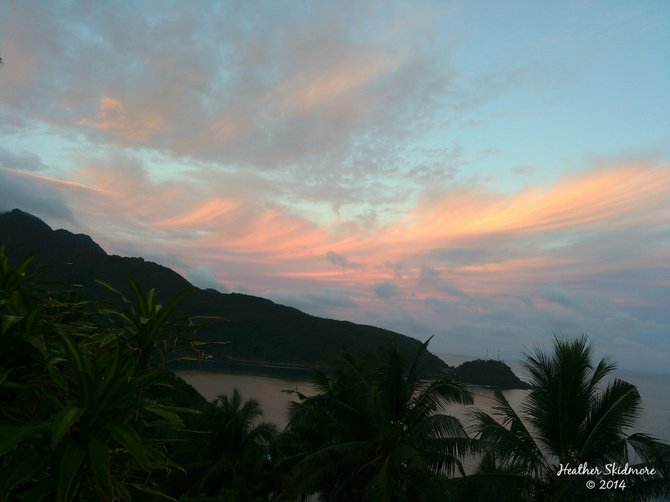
(490, 373)
(256, 329)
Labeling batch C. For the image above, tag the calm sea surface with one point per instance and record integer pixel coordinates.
(269, 391)
(654, 390)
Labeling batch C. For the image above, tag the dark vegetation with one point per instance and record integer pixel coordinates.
(89, 411)
(490, 373)
(255, 330)
(246, 331)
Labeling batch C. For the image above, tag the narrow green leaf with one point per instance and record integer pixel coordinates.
(112, 369)
(8, 384)
(63, 421)
(172, 304)
(8, 321)
(163, 412)
(11, 435)
(4, 373)
(35, 340)
(146, 377)
(205, 317)
(20, 471)
(150, 300)
(44, 490)
(114, 337)
(98, 453)
(115, 391)
(139, 296)
(112, 289)
(57, 376)
(75, 355)
(104, 311)
(25, 263)
(130, 440)
(68, 481)
(179, 409)
(149, 491)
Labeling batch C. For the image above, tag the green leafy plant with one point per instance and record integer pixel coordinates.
(147, 327)
(77, 418)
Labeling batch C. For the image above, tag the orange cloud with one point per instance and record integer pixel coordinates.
(609, 198)
(285, 245)
(275, 231)
(304, 93)
(131, 128)
(57, 182)
(292, 247)
(128, 191)
(207, 212)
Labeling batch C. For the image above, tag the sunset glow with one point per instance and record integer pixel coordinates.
(466, 170)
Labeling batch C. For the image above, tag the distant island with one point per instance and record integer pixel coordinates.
(250, 333)
(488, 373)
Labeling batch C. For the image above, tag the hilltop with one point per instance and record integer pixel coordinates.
(488, 373)
(255, 331)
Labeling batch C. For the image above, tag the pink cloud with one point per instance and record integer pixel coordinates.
(249, 230)
(131, 127)
(303, 93)
(49, 180)
(210, 210)
(525, 225)
(608, 198)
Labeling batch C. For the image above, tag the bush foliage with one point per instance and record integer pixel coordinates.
(89, 411)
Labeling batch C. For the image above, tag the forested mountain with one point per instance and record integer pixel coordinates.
(254, 329)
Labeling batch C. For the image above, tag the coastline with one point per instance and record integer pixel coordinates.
(272, 370)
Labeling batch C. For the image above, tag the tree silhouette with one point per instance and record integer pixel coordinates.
(568, 419)
(235, 454)
(376, 431)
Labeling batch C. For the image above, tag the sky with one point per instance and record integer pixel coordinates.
(487, 173)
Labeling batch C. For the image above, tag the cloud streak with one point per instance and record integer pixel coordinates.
(370, 162)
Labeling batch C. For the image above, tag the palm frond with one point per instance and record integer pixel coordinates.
(615, 409)
(511, 441)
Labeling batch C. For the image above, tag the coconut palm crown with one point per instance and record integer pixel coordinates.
(376, 431)
(571, 419)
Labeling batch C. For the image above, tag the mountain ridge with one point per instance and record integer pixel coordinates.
(255, 329)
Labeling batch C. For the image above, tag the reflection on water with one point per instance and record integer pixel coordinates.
(267, 390)
(654, 391)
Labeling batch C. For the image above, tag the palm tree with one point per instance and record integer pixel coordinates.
(568, 421)
(375, 431)
(235, 454)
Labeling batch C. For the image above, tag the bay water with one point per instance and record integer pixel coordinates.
(275, 392)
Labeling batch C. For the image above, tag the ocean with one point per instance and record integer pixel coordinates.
(273, 393)
(654, 389)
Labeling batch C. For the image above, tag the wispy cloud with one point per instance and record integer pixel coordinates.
(425, 168)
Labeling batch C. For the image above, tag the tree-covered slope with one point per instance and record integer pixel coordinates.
(255, 329)
(490, 373)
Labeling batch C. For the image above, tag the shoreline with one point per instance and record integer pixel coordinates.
(286, 372)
